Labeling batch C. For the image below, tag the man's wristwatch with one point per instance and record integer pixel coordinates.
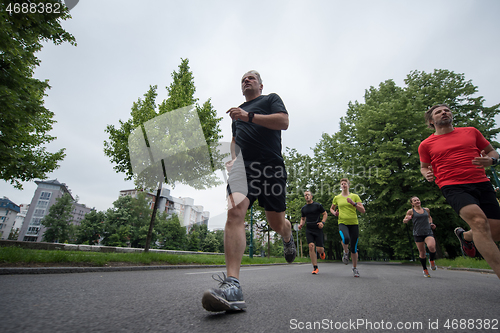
(250, 116)
(494, 161)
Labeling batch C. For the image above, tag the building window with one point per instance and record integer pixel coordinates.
(32, 231)
(42, 203)
(39, 212)
(36, 221)
(45, 195)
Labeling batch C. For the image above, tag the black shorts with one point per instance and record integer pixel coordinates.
(315, 236)
(419, 239)
(481, 194)
(261, 181)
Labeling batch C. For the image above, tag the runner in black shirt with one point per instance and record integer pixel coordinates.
(315, 216)
(256, 172)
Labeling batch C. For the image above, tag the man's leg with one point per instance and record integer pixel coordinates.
(320, 250)
(495, 229)
(283, 227)
(280, 224)
(312, 254)
(229, 295)
(234, 234)
(482, 237)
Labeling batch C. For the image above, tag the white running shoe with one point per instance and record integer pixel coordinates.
(345, 257)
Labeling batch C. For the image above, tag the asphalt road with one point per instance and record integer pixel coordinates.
(280, 298)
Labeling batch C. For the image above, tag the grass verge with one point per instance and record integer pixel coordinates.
(18, 257)
(15, 256)
(461, 262)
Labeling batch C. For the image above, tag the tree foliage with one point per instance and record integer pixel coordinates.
(171, 234)
(91, 228)
(25, 121)
(58, 220)
(181, 94)
(125, 225)
(377, 149)
(305, 173)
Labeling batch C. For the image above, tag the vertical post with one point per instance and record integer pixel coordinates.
(296, 227)
(153, 216)
(250, 247)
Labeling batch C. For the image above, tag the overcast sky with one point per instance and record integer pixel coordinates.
(318, 55)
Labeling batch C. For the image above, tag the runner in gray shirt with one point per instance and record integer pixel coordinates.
(422, 232)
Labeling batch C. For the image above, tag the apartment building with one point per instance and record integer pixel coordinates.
(164, 205)
(8, 214)
(45, 196)
(189, 213)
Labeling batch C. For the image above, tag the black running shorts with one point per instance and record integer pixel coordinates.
(315, 236)
(481, 194)
(261, 181)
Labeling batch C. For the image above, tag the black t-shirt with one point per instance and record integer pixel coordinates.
(312, 212)
(258, 143)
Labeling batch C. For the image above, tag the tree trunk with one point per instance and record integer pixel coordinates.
(153, 216)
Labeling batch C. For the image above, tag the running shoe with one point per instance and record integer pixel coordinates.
(426, 273)
(228, 297)
(289, 250)
(355, 272)
(322, 255)
(433, 265)
(315, 271)
(345, 257)
(468, 248)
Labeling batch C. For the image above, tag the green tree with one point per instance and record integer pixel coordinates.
(91, 228)
(140, 217)
(194, 242)
(170, 234)
(127, 223)
(58, 221)
(307, 173)
(25, 121)
(117, 222)
(219, 234)
(377, 149)
(181, 94)
(14, 234)
(211, 243)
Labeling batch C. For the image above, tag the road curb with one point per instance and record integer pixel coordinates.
(479, 270)
(65, 270)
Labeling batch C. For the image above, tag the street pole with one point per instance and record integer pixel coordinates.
(296, 227)
(250, 247)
